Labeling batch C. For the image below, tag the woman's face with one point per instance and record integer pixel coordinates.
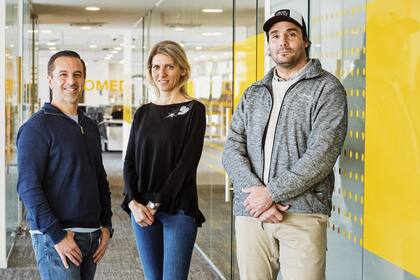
(165, 73)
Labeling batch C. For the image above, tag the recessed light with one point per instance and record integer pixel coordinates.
(114, 52)
(52, 48)
(122, 45)
(11, 45)
(117, 48)
(93, 46)
(211, 33)
(133, 46)
(92, 9)
(212, 10)
(85, 27)
(179, 29)
(46, 31)
(50, 44)
(107, 58)
(198, 48)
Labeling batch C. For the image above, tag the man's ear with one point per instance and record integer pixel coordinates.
(307, 43)
(49, 78)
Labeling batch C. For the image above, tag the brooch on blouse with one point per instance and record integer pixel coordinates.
(181, 111)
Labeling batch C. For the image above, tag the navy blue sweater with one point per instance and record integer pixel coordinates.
(62, 181)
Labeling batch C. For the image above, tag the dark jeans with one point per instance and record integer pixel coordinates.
(165, 247)
(49, 263)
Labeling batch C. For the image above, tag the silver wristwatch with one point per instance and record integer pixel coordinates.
(153, 205)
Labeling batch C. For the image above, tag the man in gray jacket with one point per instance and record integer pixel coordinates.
(285, 137)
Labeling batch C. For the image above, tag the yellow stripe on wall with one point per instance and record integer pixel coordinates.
(392, 185)
(249, 64)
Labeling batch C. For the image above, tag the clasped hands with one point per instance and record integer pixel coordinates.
(260, 204)
(67, 248)
(143, 215)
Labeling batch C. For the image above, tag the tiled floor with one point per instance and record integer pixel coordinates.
(121, 260)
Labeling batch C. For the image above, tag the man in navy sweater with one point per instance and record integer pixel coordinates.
(62, 181)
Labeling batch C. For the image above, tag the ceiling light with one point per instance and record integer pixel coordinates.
(93, 46)
(46, 31)
(85, 27)
(114, 52)
(107, 58)
(52, 48)
(117, 48)
(198, 48)
(94, 9)
(133, 47)
(159, 2)
(122, 45)
(50, 44)
(211, 33)
(179, 29)
(11, 45)
(212, 10)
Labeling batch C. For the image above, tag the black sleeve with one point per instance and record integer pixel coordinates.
(189, 159)
(131, 178)
(105, 194)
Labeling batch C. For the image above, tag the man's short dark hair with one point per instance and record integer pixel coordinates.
(66, 53)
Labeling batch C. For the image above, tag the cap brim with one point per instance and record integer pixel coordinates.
(271, 21)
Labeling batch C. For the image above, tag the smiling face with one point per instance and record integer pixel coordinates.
(66, 81)
(165, 73)
(287, 45)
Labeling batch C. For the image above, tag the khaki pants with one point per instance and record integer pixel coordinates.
(296, 247)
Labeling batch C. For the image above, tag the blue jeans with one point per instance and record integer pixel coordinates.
(165, 247)
(49, 263)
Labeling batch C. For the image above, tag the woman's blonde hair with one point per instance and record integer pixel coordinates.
(177, 53)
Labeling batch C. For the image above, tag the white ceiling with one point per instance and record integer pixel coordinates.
(115, 18)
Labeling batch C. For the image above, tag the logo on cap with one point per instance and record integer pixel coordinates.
(283, 13)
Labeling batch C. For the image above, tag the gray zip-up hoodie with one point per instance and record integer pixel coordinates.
(310, 133)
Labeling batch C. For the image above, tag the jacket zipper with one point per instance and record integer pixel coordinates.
(275, 128)
(66, 117)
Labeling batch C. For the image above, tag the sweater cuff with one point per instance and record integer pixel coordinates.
(275, 193)
(56, 234)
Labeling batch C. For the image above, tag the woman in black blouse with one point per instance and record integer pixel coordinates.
(160, 167)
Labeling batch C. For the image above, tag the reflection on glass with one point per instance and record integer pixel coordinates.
(338, 40)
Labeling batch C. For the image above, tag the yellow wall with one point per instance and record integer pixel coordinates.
(249, 63)
(392, 186)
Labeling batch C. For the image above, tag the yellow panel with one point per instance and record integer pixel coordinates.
(392, 166)
(190, 88)
(249, 67)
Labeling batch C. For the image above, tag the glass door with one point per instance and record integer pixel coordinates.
(205, 30)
